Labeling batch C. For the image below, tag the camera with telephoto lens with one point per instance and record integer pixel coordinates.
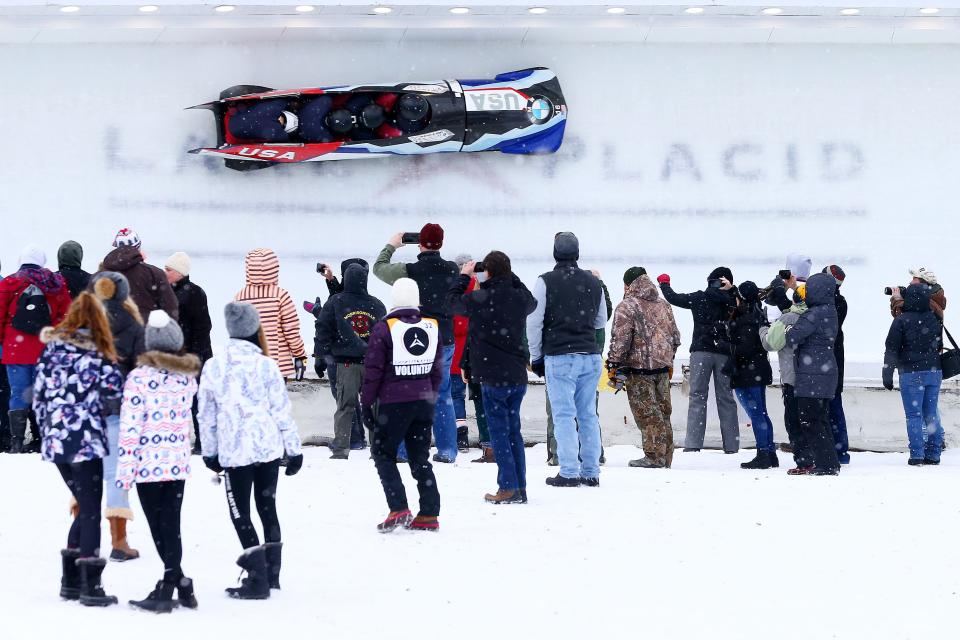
(479, 267)
(888, 291)
(321, 267)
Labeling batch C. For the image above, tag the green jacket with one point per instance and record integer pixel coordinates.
(387, 271)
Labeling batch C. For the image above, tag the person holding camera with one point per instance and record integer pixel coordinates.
(343, 330)
(920, 275)
(434, 277)
(498, 361)
(643, 344)
(709, 356)
(913, 348)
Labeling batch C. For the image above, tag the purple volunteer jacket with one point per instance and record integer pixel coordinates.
(380, 383)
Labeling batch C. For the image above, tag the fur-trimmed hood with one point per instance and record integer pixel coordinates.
(79, 340)
(187, 364)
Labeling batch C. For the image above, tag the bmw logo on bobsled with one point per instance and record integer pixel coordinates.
(521, 112)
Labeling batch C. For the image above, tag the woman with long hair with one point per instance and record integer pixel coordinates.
(78, 383)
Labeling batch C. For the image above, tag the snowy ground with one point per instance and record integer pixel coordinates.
(703, 551)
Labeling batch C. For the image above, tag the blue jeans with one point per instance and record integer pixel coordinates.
(754, 402)
(444, 422)
(502, 408)
(572, 387)
(21, 385)
(116, 498)
(919, 391)
(458, 392)
(838, 424)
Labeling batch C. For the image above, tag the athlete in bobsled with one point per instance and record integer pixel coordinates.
(281, 120)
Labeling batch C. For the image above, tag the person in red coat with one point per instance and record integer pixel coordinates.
(20, 336)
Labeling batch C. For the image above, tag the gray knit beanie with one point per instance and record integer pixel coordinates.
(566, 246)
(243, 320)
(162, 333)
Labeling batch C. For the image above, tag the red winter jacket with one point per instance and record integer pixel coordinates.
(460, 326)
(23, 348)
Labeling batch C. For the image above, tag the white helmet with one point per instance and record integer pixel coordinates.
(292, 121)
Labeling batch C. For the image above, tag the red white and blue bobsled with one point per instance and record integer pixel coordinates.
(521, 112)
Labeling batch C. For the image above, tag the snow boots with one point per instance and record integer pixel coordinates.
(763, 460)
(505, 497)
(394, 520)
(463, 440)
(160, 600)
(487, 456)
(70, 580)
(560, 481)
(118, 536)
(424, 523)
(34, 446)
(273, 563)
(91, 590)
(647, 463)
(256, 585)
(18, 429)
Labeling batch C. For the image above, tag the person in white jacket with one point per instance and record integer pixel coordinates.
(245, 428)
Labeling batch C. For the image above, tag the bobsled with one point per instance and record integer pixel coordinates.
(520, 112)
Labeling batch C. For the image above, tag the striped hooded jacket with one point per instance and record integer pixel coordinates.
(278, 314)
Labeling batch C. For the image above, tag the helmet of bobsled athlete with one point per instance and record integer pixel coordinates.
(372, 116)
(340, 121)
(290, 121)
(412, 106)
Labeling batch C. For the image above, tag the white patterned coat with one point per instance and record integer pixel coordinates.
(244, 411)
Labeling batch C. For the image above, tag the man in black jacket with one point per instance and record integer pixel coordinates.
(498, 313)
(194, 318)
(69, 263)
(343, 330)
(709, 356)
(434, 277)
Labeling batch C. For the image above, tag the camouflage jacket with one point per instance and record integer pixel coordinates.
(645, 335)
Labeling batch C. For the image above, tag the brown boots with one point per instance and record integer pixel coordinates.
(118, 536)
(487, 456)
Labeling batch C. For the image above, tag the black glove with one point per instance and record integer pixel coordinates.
(366, 414)
(319, 367)
(888, 377)
(213, 463)
(299, 368)
(293, 465)
(538, 368)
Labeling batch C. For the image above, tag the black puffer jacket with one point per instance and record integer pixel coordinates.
(838, 347)
(751, 362)
(711, 309)
(194, 318)
(127, 335)
(346, 320)
(496, 342)
(813, 338)
(914, 340)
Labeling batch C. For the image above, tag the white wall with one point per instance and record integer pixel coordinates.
(678, 157)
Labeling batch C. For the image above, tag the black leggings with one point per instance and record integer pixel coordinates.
(262, 479)
(410, 423)
(85, 481)
(161, 502)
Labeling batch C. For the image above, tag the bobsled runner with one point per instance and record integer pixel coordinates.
(521, 112)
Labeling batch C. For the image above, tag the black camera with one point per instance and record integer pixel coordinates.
(715, 283)
(785, 274)
(321, 267)
(479, 267)
(410, 237)
(888, 291)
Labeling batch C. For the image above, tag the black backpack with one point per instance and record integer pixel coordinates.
(33, 312)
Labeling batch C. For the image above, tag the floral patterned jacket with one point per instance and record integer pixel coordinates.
(244, 411)
(73, 389)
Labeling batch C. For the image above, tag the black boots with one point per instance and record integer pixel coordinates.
(185, 594)
(18, 429)
(34, 446)
(91, 590)
(70, 580)
(160, 599)
(256, 585)
(463, 441)
(273, 563)
(763, 460)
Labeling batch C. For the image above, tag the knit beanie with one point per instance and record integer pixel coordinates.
(70, 254)
(749, 291)
(179, 262)
(836, 272)
(431, 236)
(33, 254)
(566, 246)
(721, 272)
(799, 265)
(243, 320)
(162, 333)
(405, 294)
(632, 274)
(110, 285)
(126, 238)
(924, 274)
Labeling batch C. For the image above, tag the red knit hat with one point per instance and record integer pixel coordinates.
(431, 236)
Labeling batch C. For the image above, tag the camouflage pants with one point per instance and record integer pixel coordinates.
(649, 398)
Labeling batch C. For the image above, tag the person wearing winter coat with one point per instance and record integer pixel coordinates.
(838, 419)
(194, 318)
(343, 330)
(32, 298)
(913, 349)
(752, 373)
(562, 337)
(813, 338)
(70, 267)
(278, 314)
(434, 277)
(402, 375)
(155, 426)
(709, 357)
(644, 342)
(113, 291)
(921, 275)
(246, 426)
(799, 266)
(76, 385)
(149, 288)
(498, 313)
(458, 386)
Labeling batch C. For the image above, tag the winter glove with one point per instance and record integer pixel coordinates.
(888, 377)
(299, 368)
(293, 465)
(538, 368)
(213, 463)
(366, 414)
(663, 278)
(319, 367)
(308, 306)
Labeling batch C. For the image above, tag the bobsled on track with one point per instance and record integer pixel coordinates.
(521, 112)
